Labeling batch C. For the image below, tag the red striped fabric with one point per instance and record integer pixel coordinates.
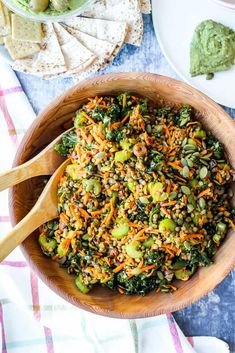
(10, 90)
(174, 334)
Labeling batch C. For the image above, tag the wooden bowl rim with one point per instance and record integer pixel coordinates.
(138, 76)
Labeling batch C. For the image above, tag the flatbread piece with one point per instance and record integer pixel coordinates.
(18, 49)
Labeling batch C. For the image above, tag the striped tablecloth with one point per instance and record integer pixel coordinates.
(33, 319)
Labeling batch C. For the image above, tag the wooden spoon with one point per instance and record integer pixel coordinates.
(45, 163)
(44, 210)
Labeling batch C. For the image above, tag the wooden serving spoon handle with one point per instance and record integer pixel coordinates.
(19, 233)
(42, 164)
(43, 211)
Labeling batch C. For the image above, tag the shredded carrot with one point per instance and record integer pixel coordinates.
(141, 238)
(84, 213)
(64, 218)
(97, 138)
(170, 203)
(231, 223)
(168, 189)
(175, 165)
(147, 268)
(121, 291)
(119, 268)
(97, 213)
(193, 123)
(124, 100)
(185, 200)
(103, 106)
(88, 118)
(131, 224)
(74, 214)
(222, 209)
(140, 233)
(193, 236)
(86, 198)
(164, 210)
(168, 133)
(124, 119)
(115, 125)
(203, 193)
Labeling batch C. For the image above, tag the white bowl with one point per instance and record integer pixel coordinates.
(230, 4)
(40, 17)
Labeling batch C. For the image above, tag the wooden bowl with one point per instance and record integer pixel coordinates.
(55, 119)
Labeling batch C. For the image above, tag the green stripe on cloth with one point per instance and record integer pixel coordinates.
(37, 342)
(134, 333)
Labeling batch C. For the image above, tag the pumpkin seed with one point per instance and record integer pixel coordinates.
(190, 162)
(185, 190)
(160, 275)
(185, 172)
(203, 172)
(190, 207)
(202, 202)
(172, 195)
(184, 162)
(190, 147)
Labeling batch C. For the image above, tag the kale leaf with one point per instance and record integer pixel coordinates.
(67, 143)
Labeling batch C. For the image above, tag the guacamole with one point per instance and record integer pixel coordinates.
(212, 48)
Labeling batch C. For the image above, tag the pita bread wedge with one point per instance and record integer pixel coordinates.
(104, 50)
(48, 61)
(77, 57)
(145, 6)
(18, 49)
(112, 31)
(121, 10)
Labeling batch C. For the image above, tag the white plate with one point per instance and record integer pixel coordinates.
(174, 23)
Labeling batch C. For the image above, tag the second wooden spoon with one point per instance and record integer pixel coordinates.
(44, 210)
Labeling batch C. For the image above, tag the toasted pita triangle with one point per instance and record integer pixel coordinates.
(145, 6)
(112, 31)
(49, 60)
(127, 11)
(104, 50)
(77, 56)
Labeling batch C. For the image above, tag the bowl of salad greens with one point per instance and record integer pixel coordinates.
(146, 218)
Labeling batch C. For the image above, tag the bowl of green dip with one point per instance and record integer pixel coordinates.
(47, 10)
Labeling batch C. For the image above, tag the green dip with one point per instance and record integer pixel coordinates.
(66, 5)
(212, 48)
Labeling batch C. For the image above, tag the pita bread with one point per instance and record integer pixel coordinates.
(145, 6)
(19, 49)
(127, 11)
(49, 60)
(112, 31)
(77, 57)
(104, 50)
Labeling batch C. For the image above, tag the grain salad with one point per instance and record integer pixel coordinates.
(144, 200)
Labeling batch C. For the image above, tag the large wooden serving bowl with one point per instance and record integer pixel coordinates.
(52, 122)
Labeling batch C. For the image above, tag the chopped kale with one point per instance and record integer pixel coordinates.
(67, 143)
(140, 285)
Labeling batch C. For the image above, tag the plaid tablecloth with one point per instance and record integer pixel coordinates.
(33, 319)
